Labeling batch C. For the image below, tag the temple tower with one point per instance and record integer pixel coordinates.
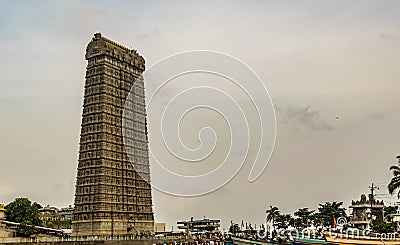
(113, 196)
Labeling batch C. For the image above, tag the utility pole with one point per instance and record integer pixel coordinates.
(371, 197)
(372, 188)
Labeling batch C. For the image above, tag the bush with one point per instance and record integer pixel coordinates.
(384, 228)
(26, 229)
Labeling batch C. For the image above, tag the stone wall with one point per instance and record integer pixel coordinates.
(6, 232)
(28, 241)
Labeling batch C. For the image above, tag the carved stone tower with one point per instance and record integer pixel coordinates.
(112, 197)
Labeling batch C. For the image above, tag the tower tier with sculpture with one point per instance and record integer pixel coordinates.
(113, 192)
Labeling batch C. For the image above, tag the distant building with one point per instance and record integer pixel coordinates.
(159, 227)
(66, 213)
(2, 212)
(202, 225)
(8, 229)
(56, 218)
(366, 212)
(48, 213)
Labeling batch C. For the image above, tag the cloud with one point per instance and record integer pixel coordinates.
(389, 38)
(375, 116)
(149, 34)
(301, 119)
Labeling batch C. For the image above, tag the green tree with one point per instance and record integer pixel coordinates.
(388, 212)
(384, 227)
(395, 181)
(304, 215)
(234, 228)
(283, 220)
(37, 205)
(62, 224)
(272, 213)
(330, 210)
(50, 224)
(21, 210)
(26, 229)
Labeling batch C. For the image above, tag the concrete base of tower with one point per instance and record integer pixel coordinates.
(111, 227)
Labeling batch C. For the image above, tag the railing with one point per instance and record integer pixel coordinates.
(362, 219)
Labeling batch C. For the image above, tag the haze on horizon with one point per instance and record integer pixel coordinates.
(331, 68)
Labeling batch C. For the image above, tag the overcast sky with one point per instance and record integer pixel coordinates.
(331, 68)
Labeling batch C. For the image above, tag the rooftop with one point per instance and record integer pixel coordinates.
(367, 202)
(107, 40)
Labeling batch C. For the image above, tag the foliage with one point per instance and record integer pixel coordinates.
(389, 211)
(50, 224)
(37, 205)
(272, 213)
(62, 224)
(22, 211)
(234, 228)
(395, 181)
(26, 229)
(283, 220)
(304, 215)
(330, 210)
(384, 227)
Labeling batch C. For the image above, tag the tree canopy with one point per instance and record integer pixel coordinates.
(272, 213)
(329, 211)
(234, 228)
(304, 215)
(395, 181)
(283, 220)
(22, 211)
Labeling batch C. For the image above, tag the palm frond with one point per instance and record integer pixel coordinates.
(394, 184)
(395, 167)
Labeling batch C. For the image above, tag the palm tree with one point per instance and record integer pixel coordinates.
(395, 181)
(329, 211)
(272, 213)
(283, 220)
(304, 215)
